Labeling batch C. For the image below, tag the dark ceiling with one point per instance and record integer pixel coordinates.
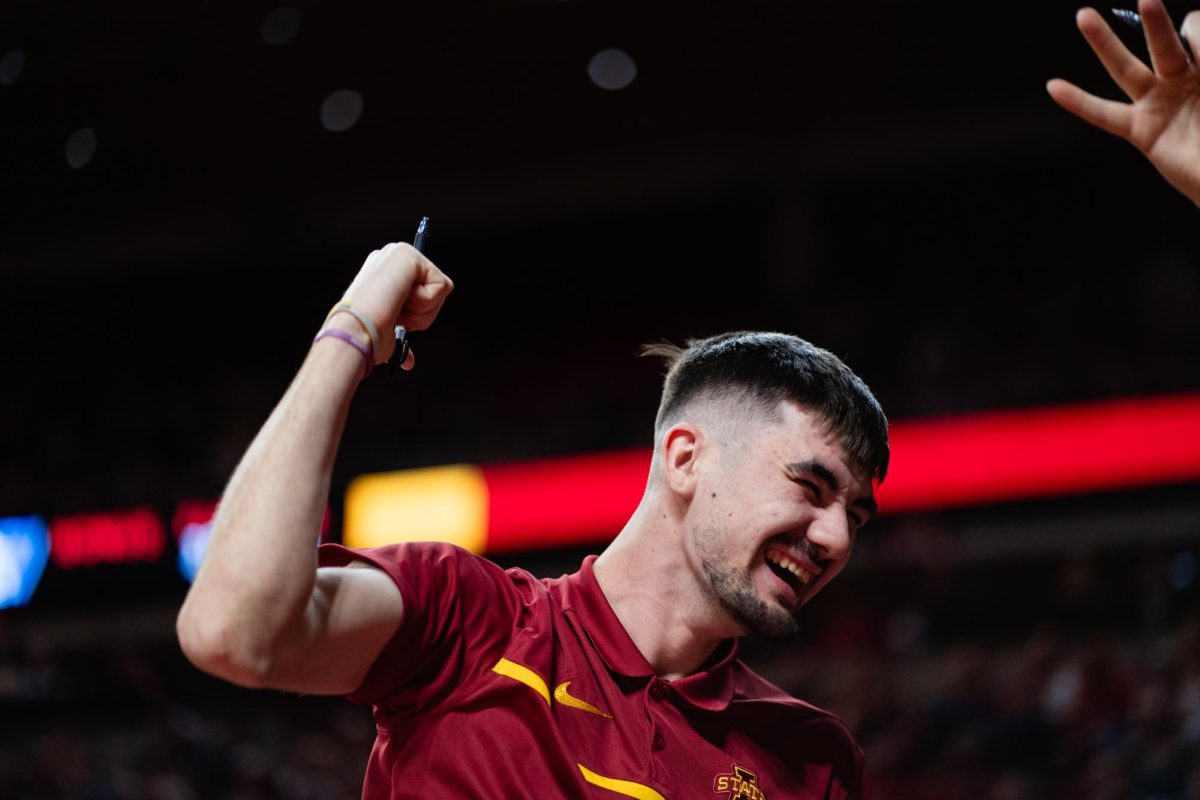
(485, 111)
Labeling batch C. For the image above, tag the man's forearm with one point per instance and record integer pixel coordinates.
(258, 574)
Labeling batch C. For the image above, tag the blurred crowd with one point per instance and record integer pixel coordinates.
(956, 688)
(145, 725)
(1057, 714)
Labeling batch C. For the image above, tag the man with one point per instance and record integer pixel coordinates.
(622, 679)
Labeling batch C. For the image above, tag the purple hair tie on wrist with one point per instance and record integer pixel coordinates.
(365, 349)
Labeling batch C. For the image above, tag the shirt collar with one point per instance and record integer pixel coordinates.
(711, 688)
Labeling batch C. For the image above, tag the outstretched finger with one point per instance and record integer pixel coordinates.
(1191, 31)
(1107, 115)
(1167, 55)
(1133, 76)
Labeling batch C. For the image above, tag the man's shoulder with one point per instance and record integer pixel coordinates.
(436, 566)
(756, 697)
(421, 552)
(750, 687)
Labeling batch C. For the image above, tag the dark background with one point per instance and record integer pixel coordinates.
(889, 180)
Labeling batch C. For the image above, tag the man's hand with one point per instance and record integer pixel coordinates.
(1163, 121)
(398, 286)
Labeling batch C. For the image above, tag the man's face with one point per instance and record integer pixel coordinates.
(775, 515)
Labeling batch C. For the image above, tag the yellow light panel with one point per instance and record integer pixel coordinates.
(443, 504)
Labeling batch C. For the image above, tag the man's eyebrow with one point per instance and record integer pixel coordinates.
(815, 467)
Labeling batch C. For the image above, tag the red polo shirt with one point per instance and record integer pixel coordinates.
(500, 684)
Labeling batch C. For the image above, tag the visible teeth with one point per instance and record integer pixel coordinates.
(803, 575)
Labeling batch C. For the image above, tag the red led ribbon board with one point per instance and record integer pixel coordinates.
(937, 463)
(567, 501)
(115, 537)
(1046, 452)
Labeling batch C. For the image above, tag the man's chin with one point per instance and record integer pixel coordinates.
(782, 627)
(770, 620)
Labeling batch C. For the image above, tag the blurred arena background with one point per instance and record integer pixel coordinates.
(187, 188)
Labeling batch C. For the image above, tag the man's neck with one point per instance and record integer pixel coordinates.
(656, 595)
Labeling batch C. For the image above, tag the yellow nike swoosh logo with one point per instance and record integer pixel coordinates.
(562, 696)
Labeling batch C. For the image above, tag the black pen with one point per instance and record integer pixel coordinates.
(1134, 20)
(400, 354)
(422, 232)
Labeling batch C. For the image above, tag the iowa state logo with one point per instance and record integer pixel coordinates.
(741, 784)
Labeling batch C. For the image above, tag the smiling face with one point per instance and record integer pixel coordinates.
(773, 517)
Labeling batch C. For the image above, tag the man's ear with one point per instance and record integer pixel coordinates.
(681, 448)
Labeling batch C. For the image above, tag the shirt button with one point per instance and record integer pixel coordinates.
(659, 742)
(657, 691)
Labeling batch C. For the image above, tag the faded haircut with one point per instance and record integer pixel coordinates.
(764, 369)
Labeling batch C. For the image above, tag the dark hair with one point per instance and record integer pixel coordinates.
(772, 367)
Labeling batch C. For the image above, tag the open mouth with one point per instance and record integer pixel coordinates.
(789, 571)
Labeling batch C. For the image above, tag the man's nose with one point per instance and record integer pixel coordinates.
(830, 533)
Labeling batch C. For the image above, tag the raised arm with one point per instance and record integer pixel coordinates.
(1163, 121)
(260, 613)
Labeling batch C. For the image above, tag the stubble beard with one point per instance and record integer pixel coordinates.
(734, 591)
